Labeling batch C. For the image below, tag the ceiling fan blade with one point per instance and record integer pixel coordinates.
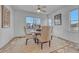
(43, 10)
(38, 6)
(43, 6)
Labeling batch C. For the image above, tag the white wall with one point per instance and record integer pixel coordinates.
(64, 29)
(17, 23)
(6, 34)
(20, 21)
(0, 16)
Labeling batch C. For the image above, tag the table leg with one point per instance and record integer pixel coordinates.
(37, 41)
(51, 37)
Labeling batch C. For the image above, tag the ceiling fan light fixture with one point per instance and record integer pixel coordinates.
(38, 10)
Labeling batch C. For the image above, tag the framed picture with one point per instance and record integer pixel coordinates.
(57, 19)
(5, 17)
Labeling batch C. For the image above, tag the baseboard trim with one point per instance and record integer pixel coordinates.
(65, 39)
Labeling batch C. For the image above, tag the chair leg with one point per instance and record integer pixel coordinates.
(35, 40)
(49, 43)
(26, 41)
(41, 46)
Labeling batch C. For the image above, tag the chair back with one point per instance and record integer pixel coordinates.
(28, 33)
(44, 34)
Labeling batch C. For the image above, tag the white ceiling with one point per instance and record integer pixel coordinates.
(32, 8)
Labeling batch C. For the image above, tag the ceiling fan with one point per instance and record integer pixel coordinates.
(41, 8)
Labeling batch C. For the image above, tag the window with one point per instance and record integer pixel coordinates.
(49, 22)
(32, 21)
(74, 20)
(29, 20)
(37, 21)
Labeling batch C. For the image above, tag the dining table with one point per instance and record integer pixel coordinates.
(34, 35)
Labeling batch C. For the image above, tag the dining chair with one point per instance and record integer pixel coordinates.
(45, 36)
(29, 35)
